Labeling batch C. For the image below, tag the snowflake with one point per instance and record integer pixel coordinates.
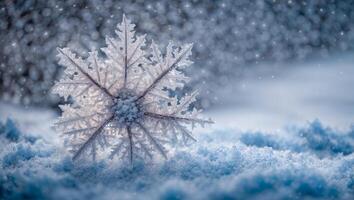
(122, 101)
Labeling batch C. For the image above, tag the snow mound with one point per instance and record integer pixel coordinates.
(312, 162)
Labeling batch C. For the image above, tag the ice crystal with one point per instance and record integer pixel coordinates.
(122, 102)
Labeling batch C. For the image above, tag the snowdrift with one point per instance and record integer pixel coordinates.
(310, 162)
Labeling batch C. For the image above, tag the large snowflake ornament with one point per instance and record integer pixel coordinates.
(122, 101)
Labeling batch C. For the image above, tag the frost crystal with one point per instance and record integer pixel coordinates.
(122, 102)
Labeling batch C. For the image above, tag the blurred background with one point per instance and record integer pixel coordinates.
(264, 68)
(269, 60)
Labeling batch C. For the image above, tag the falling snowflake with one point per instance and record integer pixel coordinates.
(122, 102)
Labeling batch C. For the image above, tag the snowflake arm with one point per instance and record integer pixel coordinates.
(125, 53)
(153, 141)
(130, 144)
(77, 65)
(178, 58)
(176, 118)
(91, 139)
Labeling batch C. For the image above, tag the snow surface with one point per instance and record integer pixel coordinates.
(270, 96)
(307, 162)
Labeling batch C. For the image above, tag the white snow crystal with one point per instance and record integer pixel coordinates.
(121, 102)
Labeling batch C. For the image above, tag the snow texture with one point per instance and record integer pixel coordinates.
(318, 139)
(126, 110)
(122, 102)
(10, 131)
(222, 165)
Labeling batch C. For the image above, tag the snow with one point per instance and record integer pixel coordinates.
(10, 131)
(271, 96)
(126, 110)
(219, 166)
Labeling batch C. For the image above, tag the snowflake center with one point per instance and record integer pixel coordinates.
(126, 109)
